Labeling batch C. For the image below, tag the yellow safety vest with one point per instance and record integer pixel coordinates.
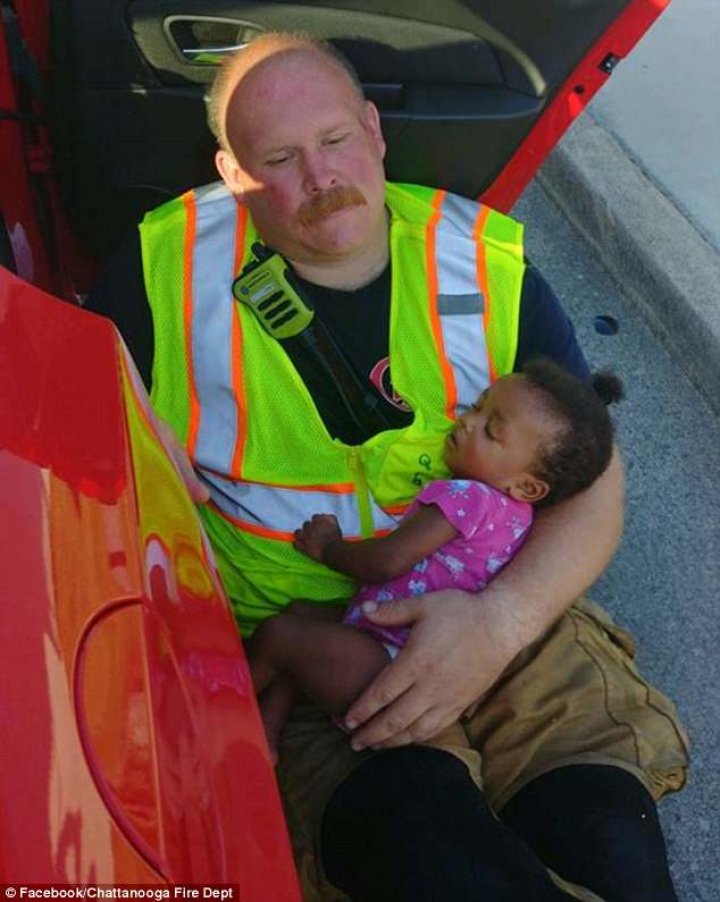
(249, 423)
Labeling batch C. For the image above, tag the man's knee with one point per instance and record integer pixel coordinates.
(414, 782)
(596, 825)
(392, 813)
(411, 823)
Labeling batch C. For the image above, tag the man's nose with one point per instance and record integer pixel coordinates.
(317, 174)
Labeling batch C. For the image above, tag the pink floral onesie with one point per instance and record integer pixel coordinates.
(491, 527)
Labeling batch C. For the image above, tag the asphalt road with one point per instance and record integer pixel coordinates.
(663, 584)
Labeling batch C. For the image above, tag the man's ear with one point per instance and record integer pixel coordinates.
(372, 117)
(528, 488)
(230, 172)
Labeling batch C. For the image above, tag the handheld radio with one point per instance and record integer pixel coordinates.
(265, 286)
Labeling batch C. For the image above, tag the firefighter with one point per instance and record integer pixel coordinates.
(407, 302)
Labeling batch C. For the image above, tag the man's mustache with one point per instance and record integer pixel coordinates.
(322, 205)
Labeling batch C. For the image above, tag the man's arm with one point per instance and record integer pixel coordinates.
(375, 560)
(461, 643)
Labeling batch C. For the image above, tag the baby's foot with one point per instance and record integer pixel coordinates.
(272, 748)
(273, 721)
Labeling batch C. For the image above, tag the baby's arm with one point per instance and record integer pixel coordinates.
(375, 560)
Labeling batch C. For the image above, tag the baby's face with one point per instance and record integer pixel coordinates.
(498, 440)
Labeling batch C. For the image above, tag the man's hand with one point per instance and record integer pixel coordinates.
(315, 535)
(459, 645)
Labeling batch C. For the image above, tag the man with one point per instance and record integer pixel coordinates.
(429, 298)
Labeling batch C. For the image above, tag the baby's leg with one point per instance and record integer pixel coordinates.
(276, 704)
(330, 662)
(276, 692)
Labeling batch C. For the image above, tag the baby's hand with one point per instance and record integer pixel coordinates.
(316, 534)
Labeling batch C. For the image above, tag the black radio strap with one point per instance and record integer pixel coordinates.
(316, 355)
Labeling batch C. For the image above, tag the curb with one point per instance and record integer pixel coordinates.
(664, 265)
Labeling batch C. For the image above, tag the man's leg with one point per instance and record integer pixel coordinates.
(573, 714)
(409, 825)
(575, 697)
(597, 826)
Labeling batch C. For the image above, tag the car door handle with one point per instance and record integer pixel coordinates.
(210, 56)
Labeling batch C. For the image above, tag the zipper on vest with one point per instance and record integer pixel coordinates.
(362, 494)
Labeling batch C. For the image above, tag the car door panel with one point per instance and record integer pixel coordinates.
(460, 86)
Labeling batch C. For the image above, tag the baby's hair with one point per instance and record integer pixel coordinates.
(582, 449)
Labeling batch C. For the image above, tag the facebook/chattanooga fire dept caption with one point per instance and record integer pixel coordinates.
(191, 892)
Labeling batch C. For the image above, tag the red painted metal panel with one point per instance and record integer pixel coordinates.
(133, 745)
(45, 249)
(67, 506)
(17, 203)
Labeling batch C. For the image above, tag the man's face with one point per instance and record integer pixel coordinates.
(307, 158)
(499, 440)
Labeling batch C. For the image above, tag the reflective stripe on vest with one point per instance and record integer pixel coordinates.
(461, 300)
(277, 512)
(216, 256)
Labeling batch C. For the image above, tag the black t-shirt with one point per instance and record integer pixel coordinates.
(357, 320)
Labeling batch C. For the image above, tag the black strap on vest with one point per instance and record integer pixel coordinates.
(317, 350)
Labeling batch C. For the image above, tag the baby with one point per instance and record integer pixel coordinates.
(533, 439)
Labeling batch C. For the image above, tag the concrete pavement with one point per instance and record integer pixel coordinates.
(663, 582)
(639, 177)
